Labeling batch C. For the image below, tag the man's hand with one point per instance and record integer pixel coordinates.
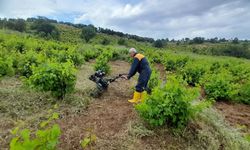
(125, 77)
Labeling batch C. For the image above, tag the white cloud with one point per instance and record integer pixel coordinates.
(153, 18)
(27, 8)
(127, 11)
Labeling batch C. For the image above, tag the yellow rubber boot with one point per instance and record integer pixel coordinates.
(144, 95)
(136, 97)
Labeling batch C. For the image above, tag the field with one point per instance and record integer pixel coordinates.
(197, 101)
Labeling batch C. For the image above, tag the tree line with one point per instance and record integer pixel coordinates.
(45, 28)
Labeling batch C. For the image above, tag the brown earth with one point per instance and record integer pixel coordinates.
(107, 117)
(113, 120)
(238, 115)
(161, 69)
(110, 118)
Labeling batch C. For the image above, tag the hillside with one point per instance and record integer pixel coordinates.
(69, 32)
(46, 98)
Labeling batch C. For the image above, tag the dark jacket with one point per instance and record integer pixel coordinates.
(140, 64)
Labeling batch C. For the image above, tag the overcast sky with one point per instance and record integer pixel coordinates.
(152, 18)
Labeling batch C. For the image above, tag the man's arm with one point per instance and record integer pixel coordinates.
(133, 68)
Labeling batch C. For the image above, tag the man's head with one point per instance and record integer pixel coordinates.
(132, 52)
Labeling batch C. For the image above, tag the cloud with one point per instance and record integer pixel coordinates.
(152, 18)
(200, 19)
(26, 8)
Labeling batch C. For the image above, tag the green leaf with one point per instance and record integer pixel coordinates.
(55, 116)
(85, 142)
(44, 123)
(25, 134)
(14, 131)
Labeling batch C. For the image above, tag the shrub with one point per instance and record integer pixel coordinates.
(120, 54)
(170, 104)
(102, 64)
(20, 47)
(45, 29)
(59, 78)
(158, 43)
(6, 66)
(193, 72)
(121, 41)
(15, 24)
(240, 72)
(174, 63)
(154, 80)
(45, 138)
(215, 67)
(26, 61)
(88, 33)
(218, 86)
(105, 41)
(170, 65)
(76, 57)
(243, 94)
(155, 57)
(70, 54)
(181, 61)
(90, 54)
(102, 61)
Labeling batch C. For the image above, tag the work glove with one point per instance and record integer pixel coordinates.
(124, 77)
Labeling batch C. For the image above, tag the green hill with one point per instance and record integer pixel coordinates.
(46, 97)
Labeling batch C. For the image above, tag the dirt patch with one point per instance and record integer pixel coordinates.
(162, 71)
(113, 119)
(238, 115)
(109, 118)
(106, 117)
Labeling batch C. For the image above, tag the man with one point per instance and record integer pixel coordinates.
(140, 64)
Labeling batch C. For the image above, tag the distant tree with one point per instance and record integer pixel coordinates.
(165, 41)
(158, 43)
(198, 40)
(121, 41)
(45, 29)
(187, 40)
(10, 24)
(20, 25)
(213, 40)
(223, 40)
(105, 41)
(1, 23)
(129, 36)
(14, 24)
(88, 33)
(178, 42)
(235, 40)
(41, 18)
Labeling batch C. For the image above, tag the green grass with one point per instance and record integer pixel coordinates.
(18, 102)
(215, 133)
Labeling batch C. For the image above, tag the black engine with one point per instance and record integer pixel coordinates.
(102, 82)
(98, 78)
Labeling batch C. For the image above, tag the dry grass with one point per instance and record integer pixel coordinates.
(116, 124)
(19, 103)
(215, 133)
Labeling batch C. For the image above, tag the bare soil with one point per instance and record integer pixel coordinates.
(238, 115)
(109, 119)
(112, 119)
(162, 71)
(106, 117)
